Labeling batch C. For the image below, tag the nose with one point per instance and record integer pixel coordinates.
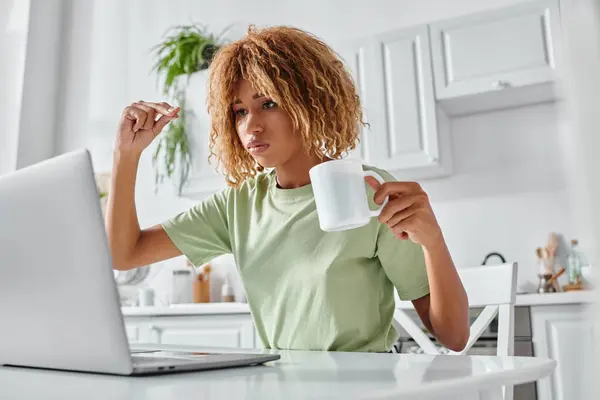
(254, 124)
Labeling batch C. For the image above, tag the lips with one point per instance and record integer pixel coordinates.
(257, 146)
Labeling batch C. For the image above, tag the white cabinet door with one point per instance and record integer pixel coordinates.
(133, 333)
(407, 135)
(205, 330)
(565, 334)
(510, 47)
(354, 56)
(138, 329)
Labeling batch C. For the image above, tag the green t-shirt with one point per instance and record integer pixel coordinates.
(307, 289)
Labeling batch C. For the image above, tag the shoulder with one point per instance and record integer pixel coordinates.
(259, 183)
(251, 187)
(235, 197)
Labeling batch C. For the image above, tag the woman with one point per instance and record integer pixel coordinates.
(281, 99)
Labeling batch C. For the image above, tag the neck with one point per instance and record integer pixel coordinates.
(295, 173)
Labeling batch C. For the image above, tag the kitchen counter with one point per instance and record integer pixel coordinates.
(188, 309)
(545, 299)
(528, 299)
(539, 299)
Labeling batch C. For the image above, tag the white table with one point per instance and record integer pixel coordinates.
(297, 375)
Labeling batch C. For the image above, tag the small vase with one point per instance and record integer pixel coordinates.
(544, 285)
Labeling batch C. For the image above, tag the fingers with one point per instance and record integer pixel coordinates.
(396, 206)
(162, 114)
(398, 218)
(391, 188)
(137, 115)
(408, 224)
(162, 121)
(150, 116)
(162, 108)
(374, 183)
(402, 235)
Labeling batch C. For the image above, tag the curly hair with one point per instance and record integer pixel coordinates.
(299, 72)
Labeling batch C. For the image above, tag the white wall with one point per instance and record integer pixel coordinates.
(507, 191)
(483, 207)
(580, 117)
(30, 79)
(42, 81)
(14, 25)
(580, 134)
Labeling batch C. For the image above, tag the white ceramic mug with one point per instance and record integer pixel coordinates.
(340, 194)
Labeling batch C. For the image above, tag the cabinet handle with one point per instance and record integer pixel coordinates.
(501, 84)
(155, 334)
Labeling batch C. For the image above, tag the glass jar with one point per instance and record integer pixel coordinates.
(574, 263)
(181, 286)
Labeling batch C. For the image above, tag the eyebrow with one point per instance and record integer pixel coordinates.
(254, 97)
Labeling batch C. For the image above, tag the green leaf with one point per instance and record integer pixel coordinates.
(181, 52)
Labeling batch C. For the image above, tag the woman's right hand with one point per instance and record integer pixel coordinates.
(140, 123)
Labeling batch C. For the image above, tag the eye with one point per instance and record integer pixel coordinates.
(269, 104)
(240, 112)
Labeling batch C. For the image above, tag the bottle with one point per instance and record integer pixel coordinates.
(227, 292)
(198, 289)
(574, 263)
(201, 286)
(180, 286)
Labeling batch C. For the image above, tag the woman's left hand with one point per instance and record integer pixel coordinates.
(408, 212)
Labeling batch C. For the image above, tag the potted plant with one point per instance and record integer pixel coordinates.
(185, 50)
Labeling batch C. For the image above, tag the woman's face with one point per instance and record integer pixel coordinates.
(265, 130)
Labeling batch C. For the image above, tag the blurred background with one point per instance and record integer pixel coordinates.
(493, 106)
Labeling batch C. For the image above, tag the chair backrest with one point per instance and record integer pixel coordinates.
(491, 287)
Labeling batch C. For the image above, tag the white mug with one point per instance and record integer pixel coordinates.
(340, 194)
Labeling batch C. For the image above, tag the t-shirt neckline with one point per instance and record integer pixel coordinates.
(303, 192)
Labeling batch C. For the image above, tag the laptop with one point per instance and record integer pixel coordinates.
(59, 302)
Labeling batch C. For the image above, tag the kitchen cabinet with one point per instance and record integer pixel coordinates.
(513, 49)
(560, 329)
(407, 134)
(235, 330)
(412, 80)
(565, 334)
(138, 330)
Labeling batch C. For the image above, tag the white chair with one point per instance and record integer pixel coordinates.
(491, 287)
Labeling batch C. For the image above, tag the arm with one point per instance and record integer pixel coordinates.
(130, 246)
(444, 311)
